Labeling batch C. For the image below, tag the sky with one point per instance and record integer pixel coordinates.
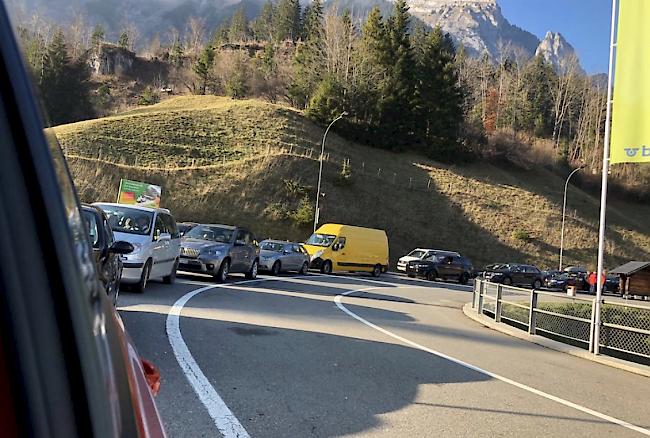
(584, 23)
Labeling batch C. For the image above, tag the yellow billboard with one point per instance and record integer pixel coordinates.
(631, 104)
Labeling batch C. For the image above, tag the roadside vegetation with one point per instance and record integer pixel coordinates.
(473, 208)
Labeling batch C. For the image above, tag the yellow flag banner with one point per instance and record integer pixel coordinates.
(631, 107)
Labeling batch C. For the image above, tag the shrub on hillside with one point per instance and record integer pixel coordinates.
(149, 97)
(304, 214)
(522, 236)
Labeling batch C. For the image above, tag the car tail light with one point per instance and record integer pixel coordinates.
(152, 374)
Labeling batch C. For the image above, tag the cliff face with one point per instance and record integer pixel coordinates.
(479, 25)
(111, 60)
(558, 52)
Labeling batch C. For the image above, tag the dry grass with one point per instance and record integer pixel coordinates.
(478, 209)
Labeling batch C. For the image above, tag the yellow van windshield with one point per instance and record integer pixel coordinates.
(321, 240)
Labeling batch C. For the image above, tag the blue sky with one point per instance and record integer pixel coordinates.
(584, 23)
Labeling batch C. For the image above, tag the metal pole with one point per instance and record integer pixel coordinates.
(603, 192)
(566, 186)
(320, 170)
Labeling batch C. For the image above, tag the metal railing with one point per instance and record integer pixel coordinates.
(624, 330)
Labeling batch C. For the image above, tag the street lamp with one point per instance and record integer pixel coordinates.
(320, 171)
(566, 186)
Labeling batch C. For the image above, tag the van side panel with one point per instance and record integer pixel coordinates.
(364, 249)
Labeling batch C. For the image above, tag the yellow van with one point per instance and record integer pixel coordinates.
(335, 247)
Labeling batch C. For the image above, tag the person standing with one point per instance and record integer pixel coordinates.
(591, 280)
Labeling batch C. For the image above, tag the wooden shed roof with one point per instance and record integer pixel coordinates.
(630, 268)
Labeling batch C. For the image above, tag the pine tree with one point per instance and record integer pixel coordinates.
(439, 98)
(309, 58)
(238, 27)
(203, 68)
(327, 102)
(124, 40)
(538, 80)
(64, 84)
(262, 26)
(287, 20)
(399, 89)
(97, 37)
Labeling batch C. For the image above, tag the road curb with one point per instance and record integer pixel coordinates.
(613, 362)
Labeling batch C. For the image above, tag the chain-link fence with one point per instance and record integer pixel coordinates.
(625, 328)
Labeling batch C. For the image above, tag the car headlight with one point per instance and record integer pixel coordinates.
(317, 254)
(212, 252)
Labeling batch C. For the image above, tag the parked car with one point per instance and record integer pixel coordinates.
(612, 283)
(445, 267)
(556, 281)
(420, 254)
(155, 239)
(68, 366)
(220, 250)
(106, 251)
(515, 274)
(277, 256)
(479, 273)
(335, 247)
(578, 277)
(184, 227)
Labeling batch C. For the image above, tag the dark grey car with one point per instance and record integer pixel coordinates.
(219, 250)
(277, 256)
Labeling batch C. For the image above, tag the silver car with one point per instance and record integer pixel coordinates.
(220, 250)
(277, 256)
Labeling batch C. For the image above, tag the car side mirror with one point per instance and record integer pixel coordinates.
(335, 247)
(121, 247)
(239, 243)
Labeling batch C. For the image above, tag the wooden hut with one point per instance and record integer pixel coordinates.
(634, 278)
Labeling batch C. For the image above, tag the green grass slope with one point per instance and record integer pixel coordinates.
(252, 163)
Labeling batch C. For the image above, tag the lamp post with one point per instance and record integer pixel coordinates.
(566, 186)
(320, 170)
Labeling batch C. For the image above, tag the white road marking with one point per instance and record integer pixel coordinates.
(223, 418)
(559, 400)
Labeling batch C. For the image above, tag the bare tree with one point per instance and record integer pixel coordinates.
(564, 93)
(194, 36)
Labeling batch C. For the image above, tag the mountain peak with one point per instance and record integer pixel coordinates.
(558, 52)
(477, 24)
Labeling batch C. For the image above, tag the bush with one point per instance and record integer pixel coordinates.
(344, 178)
(149, 97)
(295, 188)
(304, 214)
(522, 236)
(276, 211)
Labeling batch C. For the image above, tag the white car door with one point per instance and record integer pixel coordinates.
(160, 249)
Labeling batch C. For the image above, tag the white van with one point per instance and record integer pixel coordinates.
(155, 239)
(420, 254)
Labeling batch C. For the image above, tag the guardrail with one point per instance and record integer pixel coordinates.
(624, 329)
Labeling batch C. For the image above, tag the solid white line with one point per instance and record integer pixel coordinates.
(559, 400)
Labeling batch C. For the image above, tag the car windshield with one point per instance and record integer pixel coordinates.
(211, 233)
(128, 220)
(183, 228)
(324, 240)
(416, 253)
(272, 246)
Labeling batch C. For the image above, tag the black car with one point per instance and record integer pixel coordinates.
(184, 227)
(106, 251)
(445, 267)
(515, 274)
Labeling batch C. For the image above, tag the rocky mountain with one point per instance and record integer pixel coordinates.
(558, 52)
(477, 24)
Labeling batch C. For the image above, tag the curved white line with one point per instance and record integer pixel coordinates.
(223, 418)
(559, 400)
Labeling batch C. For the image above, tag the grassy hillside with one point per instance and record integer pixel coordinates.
(252, 163)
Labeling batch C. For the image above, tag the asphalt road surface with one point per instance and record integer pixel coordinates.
(295, 357)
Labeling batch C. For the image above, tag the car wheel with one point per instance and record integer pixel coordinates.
(432, 276)
(252, 273)
(537, 284)
(144, 277)
(326, 267)
(507, 281)
(411, 275)
(275, 270)
(305, 269)
(464, 279)
(171, 278)
(376, 271)
(224, 270)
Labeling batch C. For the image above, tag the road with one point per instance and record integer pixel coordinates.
(293, 357)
